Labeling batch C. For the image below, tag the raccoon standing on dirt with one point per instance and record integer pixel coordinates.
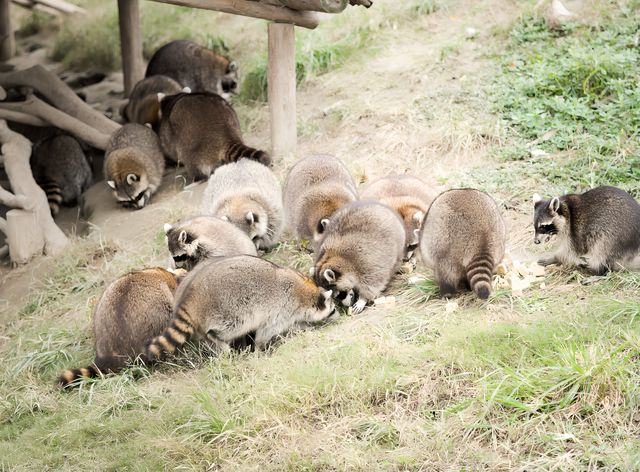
(227, 298)
(205, 237)
(463, 240)
(195, 66)
(314, 189)
(598, 230)
(201, 131)
(132, 309)
(407, 195)
(133, 164)
(61, 168)
(143, 106)
(360, 252)
(247, 194)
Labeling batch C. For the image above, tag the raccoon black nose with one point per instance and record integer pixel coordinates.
(537, 241)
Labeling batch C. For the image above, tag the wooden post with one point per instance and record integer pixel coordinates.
(24, 235)
(282, 87)
(130, 43)
(7, 42)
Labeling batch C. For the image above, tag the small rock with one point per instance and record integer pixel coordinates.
(537, 153)
(470, 33)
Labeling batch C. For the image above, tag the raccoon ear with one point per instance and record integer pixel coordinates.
(312, 271)
(182, 237)
(167, 228)
(251, 217)
(161, 96)
(111, 184)
(536, 198)
(232, 67)
(329, 275)
(131, 178)
(148, 125)
(555, 204)
(224, 218)
(418, 216)
(186, 89)
(322, 226)
(416, 233)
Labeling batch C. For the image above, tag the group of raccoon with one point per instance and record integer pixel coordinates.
(222, 291)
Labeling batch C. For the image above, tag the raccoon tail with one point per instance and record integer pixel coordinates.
(239, 150)
(54, 195)
(479, 273)
(69, 378)
(174, 337)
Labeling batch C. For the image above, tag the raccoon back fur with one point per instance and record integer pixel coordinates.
(143, 106)
(194, 66)
(407, 195)
(314, 189)
(201, 131)
(133, 164)
(463, 240)
(205, 237)
(133, 308)
(598, 230)
(226, 298)
(61, 168)
(360, 252)
(247, 194)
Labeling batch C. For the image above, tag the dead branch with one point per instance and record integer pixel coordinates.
(364, 3)
(60, 95)
(15, 201)
(36, 107)
(18, 117)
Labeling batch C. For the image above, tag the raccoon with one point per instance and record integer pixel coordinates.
(61, 168)
(205, 237)
(201, 131)
(247, 194)
(143, 106)
(196, 67)
(463, 239)
(226, 298)
(133, 164)
(314, 189)
(360, 252)
(410, 197)
(133, 308)
(598, 230)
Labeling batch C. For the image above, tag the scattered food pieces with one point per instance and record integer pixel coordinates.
(518, 276)
(385, 301)
(536, 153)
(470, 33)
(451, 306)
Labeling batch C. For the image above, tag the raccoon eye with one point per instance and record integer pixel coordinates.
(547, 228)
(180, 258)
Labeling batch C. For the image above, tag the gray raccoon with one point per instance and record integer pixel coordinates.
(314, 189)
(227, 298)
(407, 195)
(195, 66)
(205, 237)
(598, 230)
(143, 106)
(360, 252)
(463, 240)
(201, 131)
(133, 308)
(247, 194)
(61, 168)
(133, 164)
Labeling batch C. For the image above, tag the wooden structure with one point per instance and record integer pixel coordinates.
(284, 15)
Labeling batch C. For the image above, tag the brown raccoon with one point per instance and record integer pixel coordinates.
(205, 237)
(132, 309)
(201, 131)
(195, 66)
(143, 106)
(598, 230)
(227, 298)
(409, 196)
(61, 168)
(133, 164)
(463, 240)
(360, 252)
(314, 189)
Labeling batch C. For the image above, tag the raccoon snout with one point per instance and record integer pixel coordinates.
(536, 240)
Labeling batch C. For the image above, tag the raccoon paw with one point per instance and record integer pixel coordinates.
(545, 261)
(358, 306)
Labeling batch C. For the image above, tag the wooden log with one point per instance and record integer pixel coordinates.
(326, 6)
(130, 43)
(7, 40)
(281, 76)
(306, 19)
(14, 201)
(36, 7)
(364, 3)
(23, 118)
(62, 6)
(24, 236)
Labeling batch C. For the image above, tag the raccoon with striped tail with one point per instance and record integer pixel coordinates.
(61, 169)
(313, 190)
(463, 240)
(133, 308)
(224, 299)
(598, 230)
(202, 132)
(247, 194)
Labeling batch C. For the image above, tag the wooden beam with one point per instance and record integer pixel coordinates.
(130, 43)
(306, 19)
(326, 6)
(7, 41)
(281, 78)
